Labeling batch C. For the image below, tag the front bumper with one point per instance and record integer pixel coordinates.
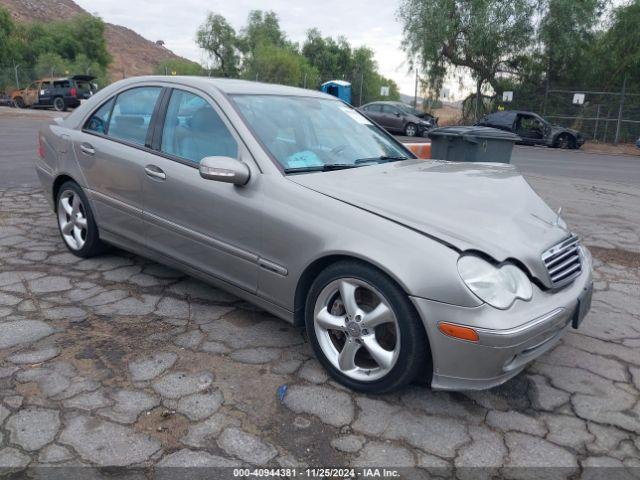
(508, 339)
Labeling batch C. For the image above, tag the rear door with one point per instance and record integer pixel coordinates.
(112, 150)
(375, 113)
(210, 226)
(45, 94)
(392, 118)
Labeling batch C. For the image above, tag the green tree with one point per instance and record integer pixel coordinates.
(486, 37)
(619, 48)
(263, 28)
(567, 33)
(179, 66)
(333, 59)
(51, 65)
(273, 64)
(219, 40)
(7, 28)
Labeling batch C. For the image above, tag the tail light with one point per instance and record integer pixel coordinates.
(41, 150)
(74, 92)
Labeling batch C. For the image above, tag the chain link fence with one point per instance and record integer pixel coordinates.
(611, 116)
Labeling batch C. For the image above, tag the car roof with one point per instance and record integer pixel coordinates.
(232, 86)
(516, 112)
(386, 102)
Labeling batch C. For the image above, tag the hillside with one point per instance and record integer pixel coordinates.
(132, 54)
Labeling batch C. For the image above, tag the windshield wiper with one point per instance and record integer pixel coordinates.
(321, 168)
(381, 159)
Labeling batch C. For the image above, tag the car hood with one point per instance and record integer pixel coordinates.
(555, 129)
(468, 206)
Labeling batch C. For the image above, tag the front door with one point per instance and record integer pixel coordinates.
(392, 118)
(112, 151)
(210, 226)
(31, 94)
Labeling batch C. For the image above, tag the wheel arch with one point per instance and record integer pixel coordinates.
(312, 270)
(58, 182)
(318, 265)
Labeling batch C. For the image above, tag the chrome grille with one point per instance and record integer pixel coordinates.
(563, 261)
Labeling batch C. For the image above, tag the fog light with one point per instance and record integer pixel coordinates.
(456, 331)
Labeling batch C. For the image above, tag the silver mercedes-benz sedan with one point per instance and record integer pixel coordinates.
(453, 274)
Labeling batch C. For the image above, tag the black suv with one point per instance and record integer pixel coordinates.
(398, 117)
(533, 129)
(59, 93)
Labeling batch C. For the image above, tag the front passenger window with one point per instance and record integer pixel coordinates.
(99, 119)
(193, 130)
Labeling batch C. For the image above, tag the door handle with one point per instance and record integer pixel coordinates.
(155, 172)
(87, 149)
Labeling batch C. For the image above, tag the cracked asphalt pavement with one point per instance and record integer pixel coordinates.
(120, 361)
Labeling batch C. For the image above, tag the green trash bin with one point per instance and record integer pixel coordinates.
(472, 144)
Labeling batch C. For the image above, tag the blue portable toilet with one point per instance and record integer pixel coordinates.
(338, 88)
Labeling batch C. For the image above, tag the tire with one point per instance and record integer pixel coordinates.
(343, 337)
(59, 104)
(19, 101)
(76, 222)
(565, 142)
(410, 129)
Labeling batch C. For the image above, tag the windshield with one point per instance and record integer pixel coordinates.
(304, 133)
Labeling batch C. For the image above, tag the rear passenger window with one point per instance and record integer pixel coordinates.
(100, 118)
(132, 114)
(193, 130)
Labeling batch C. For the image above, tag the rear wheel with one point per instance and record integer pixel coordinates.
(411, 130)
(364, 330)
(76, 222)
(59, 105)
(19, 101)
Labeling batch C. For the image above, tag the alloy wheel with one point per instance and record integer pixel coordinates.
(411, 130)
(72, 219)
(357, 329)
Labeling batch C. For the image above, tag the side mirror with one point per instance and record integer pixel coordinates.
(225, 169)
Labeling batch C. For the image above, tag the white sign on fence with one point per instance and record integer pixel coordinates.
(384, 91)
(578, 98)
(507, 96)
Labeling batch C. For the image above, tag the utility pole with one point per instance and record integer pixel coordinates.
(15, 70)
(361, 83)
(624, 90)
(415, 92)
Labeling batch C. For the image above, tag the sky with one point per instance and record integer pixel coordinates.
(363, 22)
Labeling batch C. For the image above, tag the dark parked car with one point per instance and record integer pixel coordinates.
(59, 93)
(533, 129)
(398, 117)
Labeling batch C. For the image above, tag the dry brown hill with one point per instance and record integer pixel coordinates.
(132, 54)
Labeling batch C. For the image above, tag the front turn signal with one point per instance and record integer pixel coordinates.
(457, 331)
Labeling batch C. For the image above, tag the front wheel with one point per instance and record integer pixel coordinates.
(411, 130)
(364, 330)
(565, 142)
(76, 222)
(19, 101)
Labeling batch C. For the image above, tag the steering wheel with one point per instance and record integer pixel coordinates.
(96, 124)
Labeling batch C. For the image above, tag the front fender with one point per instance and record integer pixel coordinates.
(302, 227)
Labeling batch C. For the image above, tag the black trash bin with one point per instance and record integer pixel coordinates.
(472, 144)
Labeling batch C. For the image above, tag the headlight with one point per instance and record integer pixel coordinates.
(497, 286)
